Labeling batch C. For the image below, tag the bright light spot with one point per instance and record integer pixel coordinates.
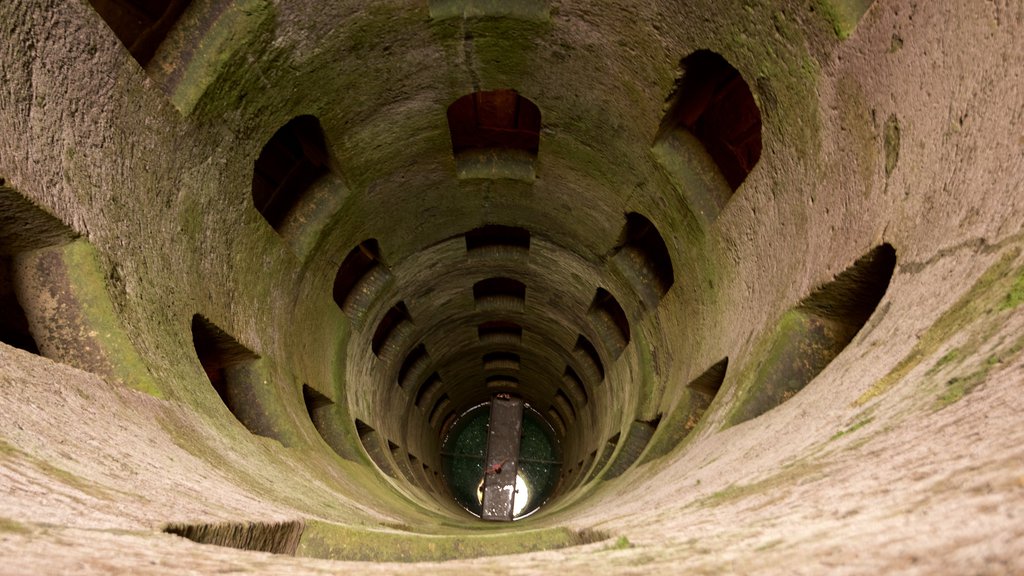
(519, 500)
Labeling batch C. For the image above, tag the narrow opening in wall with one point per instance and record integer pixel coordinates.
(565, 406)
(316, 406)
(572, 382)
(637, 438)
(14, 330)
(810, 335)
(397, 315)
(360, 278)
(606, 455)
(501, 361)
(496, 238)
(610, 322)
(713, 102)
(141, 25)
(495, 134)
(500, 332)
(556, 421)
(589, 359)
(644, 257)
(229, 365)
(373, 444)
(499, 293)
(293, 159)
(502, 381)
(439, 406)
(432, 384)
(415, 362)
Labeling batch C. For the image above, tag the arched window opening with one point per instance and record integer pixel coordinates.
(415, 362)
(637, 438)
(495, 134)
(389, 326)
(500, 293)
(589, 360)
(495, 239)
(500, 332)
(643, 257)
(230, 367)
(710, 138)
(501, 361)
(427, 389)
(360, 279)
(810, 335)
(293, 159)
(572, 382)
(374, 445)
(609, 321)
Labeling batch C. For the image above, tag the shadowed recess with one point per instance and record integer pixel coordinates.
(293, 159)
(273, 537)
(814, 332)
(714, 103)
(500, 293)
(500, 332)
(230, 367)
(494, 237)
(644, 258)
(415, 362)
(609, 321)
(589, 359)
(496, 119)
(386, 329)
(360, 278)
(141, 25)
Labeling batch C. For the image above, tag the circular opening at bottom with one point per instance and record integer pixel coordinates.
(464, 457)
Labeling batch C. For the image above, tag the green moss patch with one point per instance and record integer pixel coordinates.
(981, 299)
(332, 541)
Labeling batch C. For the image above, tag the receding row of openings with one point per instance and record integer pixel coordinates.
(395, 320)
(710, 138)
(495, 134)
(588, 360)
(810, 335)
(501, 361)
(292, 160)
(141, 25)
(500, 332)
(609, 321)
(643, 257)
(499, 294)
(497, 240)
(360, 279)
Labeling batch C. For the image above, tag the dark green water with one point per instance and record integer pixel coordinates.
(464, 449)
